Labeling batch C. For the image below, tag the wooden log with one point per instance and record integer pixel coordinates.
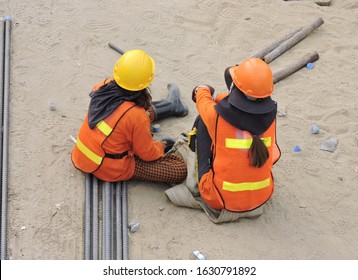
(323, 2)
(274, 45)
(299, 36)
(318, 2)
(283, 73)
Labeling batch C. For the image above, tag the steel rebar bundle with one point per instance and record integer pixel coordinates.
(113, 209)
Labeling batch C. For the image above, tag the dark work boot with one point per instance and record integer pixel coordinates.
(172, 106)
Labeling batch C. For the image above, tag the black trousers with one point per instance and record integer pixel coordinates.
(203, 147)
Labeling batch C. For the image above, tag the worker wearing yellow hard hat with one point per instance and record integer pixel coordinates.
(115, 142)
(134, 70)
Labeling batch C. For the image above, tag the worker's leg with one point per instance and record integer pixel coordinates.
(171, 106)
(168, 169)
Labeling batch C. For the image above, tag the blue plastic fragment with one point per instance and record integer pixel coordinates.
(297, 149)
(310, 66)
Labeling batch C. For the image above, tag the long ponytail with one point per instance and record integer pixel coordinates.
(258, 152)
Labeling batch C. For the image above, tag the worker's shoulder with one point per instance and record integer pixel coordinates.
(135, 112)
(133, 108)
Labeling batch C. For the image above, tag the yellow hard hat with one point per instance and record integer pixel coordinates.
(134, 70)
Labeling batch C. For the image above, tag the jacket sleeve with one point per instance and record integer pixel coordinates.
(143, 145)
(221, 96)
(205, 105)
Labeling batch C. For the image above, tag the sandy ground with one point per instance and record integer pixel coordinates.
(59, 50)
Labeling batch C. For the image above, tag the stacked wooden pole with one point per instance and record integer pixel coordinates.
(275, 49)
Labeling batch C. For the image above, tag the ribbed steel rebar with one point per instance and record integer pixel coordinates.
(106, 220)
(125, 221)
(5, 136)
(119, 246)
(95, 232)
(2, 45)
(103, 222)
(87, 244)
(111, 220)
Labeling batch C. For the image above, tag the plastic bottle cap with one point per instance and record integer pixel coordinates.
(310, 66)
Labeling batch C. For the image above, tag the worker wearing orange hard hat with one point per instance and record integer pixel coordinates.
(236, 138)
(115, 142)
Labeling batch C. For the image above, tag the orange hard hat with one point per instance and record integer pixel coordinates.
(253, 77)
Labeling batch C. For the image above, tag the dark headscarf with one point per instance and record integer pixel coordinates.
(106, 99)
(254, 123)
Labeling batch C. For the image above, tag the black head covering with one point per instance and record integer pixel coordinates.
(106, 99)
(238, 99)
(236, 110)
(256, 124)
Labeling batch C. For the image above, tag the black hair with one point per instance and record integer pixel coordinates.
(144, 100)
(258, 152)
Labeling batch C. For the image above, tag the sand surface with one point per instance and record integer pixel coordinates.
(59, 50)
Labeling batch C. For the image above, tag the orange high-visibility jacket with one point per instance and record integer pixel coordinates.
(232, 183)
(127, 129)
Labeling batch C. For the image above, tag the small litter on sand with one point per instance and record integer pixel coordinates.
(329, 145)
(133, 226)
(314, 129)
(297, 149)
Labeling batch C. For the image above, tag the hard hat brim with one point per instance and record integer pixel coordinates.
(238, 99)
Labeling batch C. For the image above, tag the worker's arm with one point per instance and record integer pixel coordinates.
(143, 145)
(205, 105)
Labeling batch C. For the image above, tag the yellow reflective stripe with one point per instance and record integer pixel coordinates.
(88, 153)
(267, 141)
(105, 128)
(246, 186)
(244, 143)
(190, 134)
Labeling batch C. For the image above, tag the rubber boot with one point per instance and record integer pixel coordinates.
(172, 106)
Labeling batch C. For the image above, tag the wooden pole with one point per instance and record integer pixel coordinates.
(274, 45)
(114, 47)
(283, 73)
(299, 36)
(318, 2)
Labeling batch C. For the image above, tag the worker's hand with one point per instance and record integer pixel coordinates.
(167, 142)
(164, 143)
(193, 94)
